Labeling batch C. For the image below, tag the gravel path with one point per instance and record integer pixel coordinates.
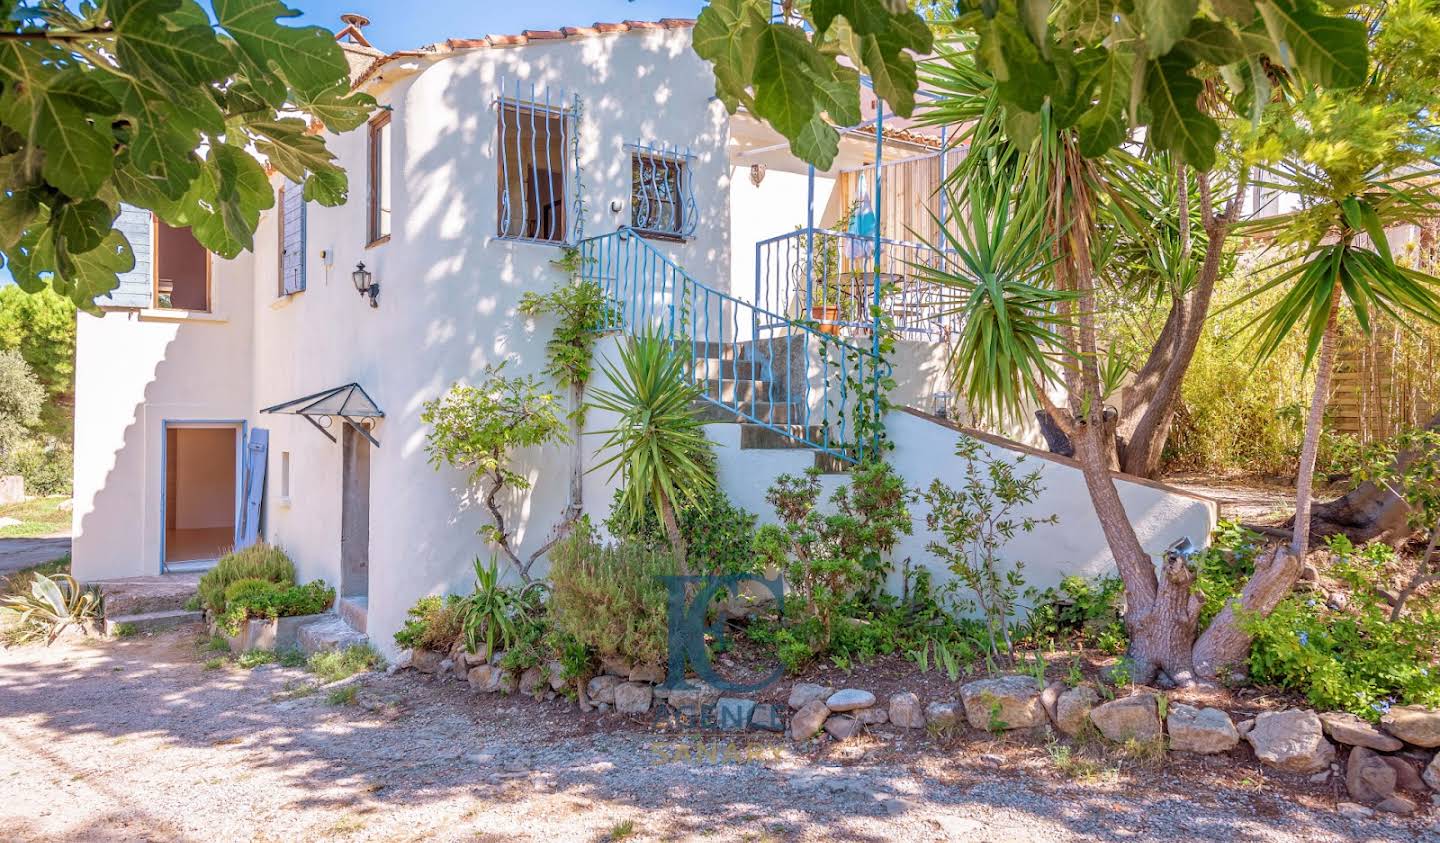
(136, 740)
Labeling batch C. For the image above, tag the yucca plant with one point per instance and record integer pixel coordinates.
(53, 605)
(488, 613)
(658, 445)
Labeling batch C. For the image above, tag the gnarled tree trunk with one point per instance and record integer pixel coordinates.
(1370, 512)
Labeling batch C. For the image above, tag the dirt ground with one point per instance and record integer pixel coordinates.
(136, 740)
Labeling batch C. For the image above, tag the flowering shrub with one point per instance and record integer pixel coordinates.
(1352, 657)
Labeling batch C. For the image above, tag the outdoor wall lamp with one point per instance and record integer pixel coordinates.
(365, 283)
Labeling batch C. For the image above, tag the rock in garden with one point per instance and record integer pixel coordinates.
(942, 715)
(849, 699)
(693, 699)
(1005, 702)
(601, 689)
(632, 697)
(732, 714)
(1346, 728)
(1072, 709)
(615, 666)
(556, 672)
(842, 726)
(905, 711)
(1050, 696)
(509, 682)
(531, 681)
(874, 716)
(768, 717)
(1244, 726)
(485, 678)
(652, 673)
(1414, 724)
(1368, 778)
(808, 720)
(426, 661)
(1202, 730)
(1291, 740)
(1129, 718)
(1432, 773)
(804, 692)
(1396, 805)
(1354, 811)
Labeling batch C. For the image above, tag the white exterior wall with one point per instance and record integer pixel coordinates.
(135, 369)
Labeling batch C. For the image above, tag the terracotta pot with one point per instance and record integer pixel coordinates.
(829, 318)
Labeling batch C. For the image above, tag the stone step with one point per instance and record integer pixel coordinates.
(760, 437)
(731, 391)
(150, 622)
(147, 595)
(710, 368)
(831, 464)
(761, 411)
(329, 633)
(355, 611)
(724, 350)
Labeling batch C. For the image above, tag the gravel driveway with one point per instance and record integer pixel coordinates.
(135, 740)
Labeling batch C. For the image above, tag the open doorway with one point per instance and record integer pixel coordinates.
(201, 493)
(355, 520)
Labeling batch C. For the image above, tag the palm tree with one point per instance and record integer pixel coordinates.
(658, 442)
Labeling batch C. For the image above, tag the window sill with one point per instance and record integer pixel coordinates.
(283, 502)
(162, 314)
(532, 241)
(282, 302)
(378, 241)
(663, 235)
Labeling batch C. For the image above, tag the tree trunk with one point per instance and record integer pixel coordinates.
(577, 453)
(1305, 480)
(1224, 645)
(672, 530)
(1163, 634)
(1370, 511)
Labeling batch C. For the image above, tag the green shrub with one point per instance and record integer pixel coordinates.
(1081, 612)
(433, 623)
(258, 561)
(1223, 568)
(46, 467)
(610, 598)
(257, 598)
(1355, 658)
(719, 536)
(334, 665)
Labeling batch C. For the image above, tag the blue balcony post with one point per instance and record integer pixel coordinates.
(879, 244)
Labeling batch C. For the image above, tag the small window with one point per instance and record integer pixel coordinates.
(285, 475)
(291, 238)
(534, 173)
(182, 270)
(379, 159)
(661, 201)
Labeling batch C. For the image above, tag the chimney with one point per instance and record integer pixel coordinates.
(354, 23)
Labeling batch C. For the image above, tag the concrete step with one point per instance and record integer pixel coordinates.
(147, 595)
(731, 391)
(329, 633)
(756, 436)
(724, 350)
(150, 622)
(710, 368)
(761, 411)
(355, 611)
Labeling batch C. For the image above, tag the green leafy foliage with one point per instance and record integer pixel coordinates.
(804, 85)
(434, 623)
(259, 561)
(21, 399)
(1353, 658)
(487, 613)
(151, 103)
(719, 536)
(259, 599)
(578, 306)
(975, 522)
(1224, 566)
(1081, 612)
(53, 604)
(657, 446)
(609, 599)
(41, 326)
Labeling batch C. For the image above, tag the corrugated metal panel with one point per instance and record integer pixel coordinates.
(135, 288)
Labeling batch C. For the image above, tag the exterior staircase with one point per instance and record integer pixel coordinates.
(149, 604)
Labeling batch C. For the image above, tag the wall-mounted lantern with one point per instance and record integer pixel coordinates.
(365, 283)
(940, 405)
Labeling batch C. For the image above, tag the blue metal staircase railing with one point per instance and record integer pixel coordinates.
(766, 368)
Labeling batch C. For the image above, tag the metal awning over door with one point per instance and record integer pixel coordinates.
(349, 403)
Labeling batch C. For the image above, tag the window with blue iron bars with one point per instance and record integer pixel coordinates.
(662, 200)
(534, 172)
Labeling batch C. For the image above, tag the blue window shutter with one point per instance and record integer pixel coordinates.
(292, 257)
(136, 286)
(248, 530)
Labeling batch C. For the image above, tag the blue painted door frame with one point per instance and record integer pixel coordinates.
(240, 426)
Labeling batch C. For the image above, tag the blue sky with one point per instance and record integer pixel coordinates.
(397, 25)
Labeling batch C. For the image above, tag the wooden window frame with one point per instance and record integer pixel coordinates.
(155, 223)
(373, 237)
(565, 116)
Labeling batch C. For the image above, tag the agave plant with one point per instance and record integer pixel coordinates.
(658, 444)
(488, 612)
(52, 605)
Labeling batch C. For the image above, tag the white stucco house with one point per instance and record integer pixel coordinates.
(220, 400)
